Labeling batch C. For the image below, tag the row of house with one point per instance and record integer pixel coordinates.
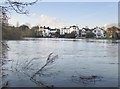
(81, 33)
(98, 32)
(46, 31)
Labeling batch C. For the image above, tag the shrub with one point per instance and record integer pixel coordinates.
(71, 35)
(90, 35)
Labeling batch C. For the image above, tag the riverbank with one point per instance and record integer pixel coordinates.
(72, 39)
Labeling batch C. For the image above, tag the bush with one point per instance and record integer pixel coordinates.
(71, 35)
(116, 35)
(90, 35)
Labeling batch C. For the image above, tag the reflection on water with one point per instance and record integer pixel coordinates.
(94, 59)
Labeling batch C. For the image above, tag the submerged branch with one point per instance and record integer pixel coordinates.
(49, 61)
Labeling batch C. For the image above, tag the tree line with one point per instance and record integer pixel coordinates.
(17, 33)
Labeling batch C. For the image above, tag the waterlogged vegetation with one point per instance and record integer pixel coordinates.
(51, 62)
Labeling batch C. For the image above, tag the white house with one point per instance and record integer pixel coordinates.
(45, 31)
(84, 31)
(74, 28)
(64, 30)
(69, 30)
(99, 32)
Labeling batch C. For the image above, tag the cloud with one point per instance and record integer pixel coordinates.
(51, 21)
(12, 21)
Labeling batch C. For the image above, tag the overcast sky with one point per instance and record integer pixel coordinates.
(59, 14)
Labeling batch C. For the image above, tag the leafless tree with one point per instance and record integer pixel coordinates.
(17, 6)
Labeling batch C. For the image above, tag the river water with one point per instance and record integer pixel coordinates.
(77, 58)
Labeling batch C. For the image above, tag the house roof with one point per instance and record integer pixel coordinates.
(52, 29)
(86, 29)
(98, 28)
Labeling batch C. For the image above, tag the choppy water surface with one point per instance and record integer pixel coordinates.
(76, 58)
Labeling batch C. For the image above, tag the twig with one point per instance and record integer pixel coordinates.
(29, 63)
(18, 6)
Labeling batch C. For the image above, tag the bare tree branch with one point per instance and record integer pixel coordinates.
(48, 61)
(18, 6)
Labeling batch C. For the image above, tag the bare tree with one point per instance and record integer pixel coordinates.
(17, 6)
